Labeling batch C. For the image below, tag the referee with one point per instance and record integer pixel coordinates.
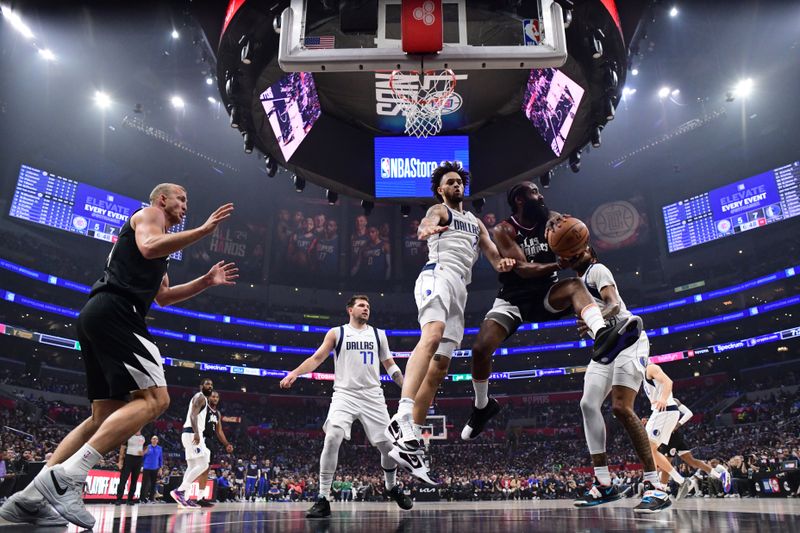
(130, 465)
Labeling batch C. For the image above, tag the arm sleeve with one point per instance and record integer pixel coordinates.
(686, 414)
(385, 352)
(601, 276)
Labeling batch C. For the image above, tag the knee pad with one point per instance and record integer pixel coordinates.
(446, 348)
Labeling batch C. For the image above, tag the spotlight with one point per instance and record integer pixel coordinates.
(405, 210)
(597, 43)
(478, 204)
(209, 80)
(596, 139)
(331, 196)
(47, 54)
(299, 183)
(546, 178)
(177, 102)
(236, 117)
(272, 166)
(626, 92)
(231, 87)
(743, 88)
(175, 34)
(367, 206)
(567, 18)
(102, 100)
(575, 161)
(609, 109)
(276, 25)
(635, 71)
(673, 12)
(663, 92)
(246, 52)
(16, 22)
(212, 100)
(675, 92)
(248, 142)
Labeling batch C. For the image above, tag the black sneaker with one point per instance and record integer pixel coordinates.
(204, 503)
(653, 501)
(321, 509)
(614, 338)
(479, 418)
(597, 495)
(403, 501)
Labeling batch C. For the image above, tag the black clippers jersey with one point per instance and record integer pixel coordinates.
(534, 245)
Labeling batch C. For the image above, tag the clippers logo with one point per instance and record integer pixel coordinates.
(425, 13)
(387, 105)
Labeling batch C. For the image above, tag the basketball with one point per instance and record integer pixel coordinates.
(569, 237)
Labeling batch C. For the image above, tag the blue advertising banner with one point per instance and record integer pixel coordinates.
(403, 165)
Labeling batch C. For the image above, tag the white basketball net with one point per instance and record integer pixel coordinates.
(422, 98)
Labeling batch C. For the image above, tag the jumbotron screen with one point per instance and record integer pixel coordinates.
(62, 203)
(747, 204)
(403, 165)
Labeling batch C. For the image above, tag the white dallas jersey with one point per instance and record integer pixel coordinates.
(357, 357)
(597, 277)
(201, 416)
(457, 247)
(653, 388)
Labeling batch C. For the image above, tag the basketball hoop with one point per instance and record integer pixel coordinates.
(422, 96)
(426, 438)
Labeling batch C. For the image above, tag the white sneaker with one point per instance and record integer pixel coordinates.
(683, 490)
(21, 510)
(415, 462)
(65, 494)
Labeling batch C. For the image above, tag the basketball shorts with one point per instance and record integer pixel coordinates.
(118, 352)
(627, 369)
(661, 424)
(514, 307)
(441, 296)
(677, 444)
(370, 411)
(195, 451)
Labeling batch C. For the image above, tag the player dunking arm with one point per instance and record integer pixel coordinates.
(621, 377)
(454, 240)
(531, 292)
(357, 395)
(213, 430)
(124, 372)
(662, 421)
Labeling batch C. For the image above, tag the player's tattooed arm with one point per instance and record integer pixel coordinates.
(504, 239)
(499, 262)
(197, 405)
(431, 224)
(394, 371)
(612, 301)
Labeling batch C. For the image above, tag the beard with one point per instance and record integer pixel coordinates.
(536, 211)
(454, 198)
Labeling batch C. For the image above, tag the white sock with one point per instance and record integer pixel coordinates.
(676, 477)
(652, 477)
(82, 461)
(389, 478)
(405, 407)
(603, 476)
(593, 317)
(481, 392)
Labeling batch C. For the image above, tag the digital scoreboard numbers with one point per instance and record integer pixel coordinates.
(747, 204)
(62, 203)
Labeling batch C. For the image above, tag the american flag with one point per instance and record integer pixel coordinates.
(319, 43)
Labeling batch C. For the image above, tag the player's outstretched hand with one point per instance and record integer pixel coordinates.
(229, 448)
(288, 381)
(222, 212)
(583, 329)
(222, 273)
(554, 220)
(425, 232)
(505, 264)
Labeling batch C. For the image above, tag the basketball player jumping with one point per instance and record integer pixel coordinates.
(198, 456)
(455, 238)
(213, 430)
(124, 373)
(621, 377)
(357, 395)
(531, 292)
